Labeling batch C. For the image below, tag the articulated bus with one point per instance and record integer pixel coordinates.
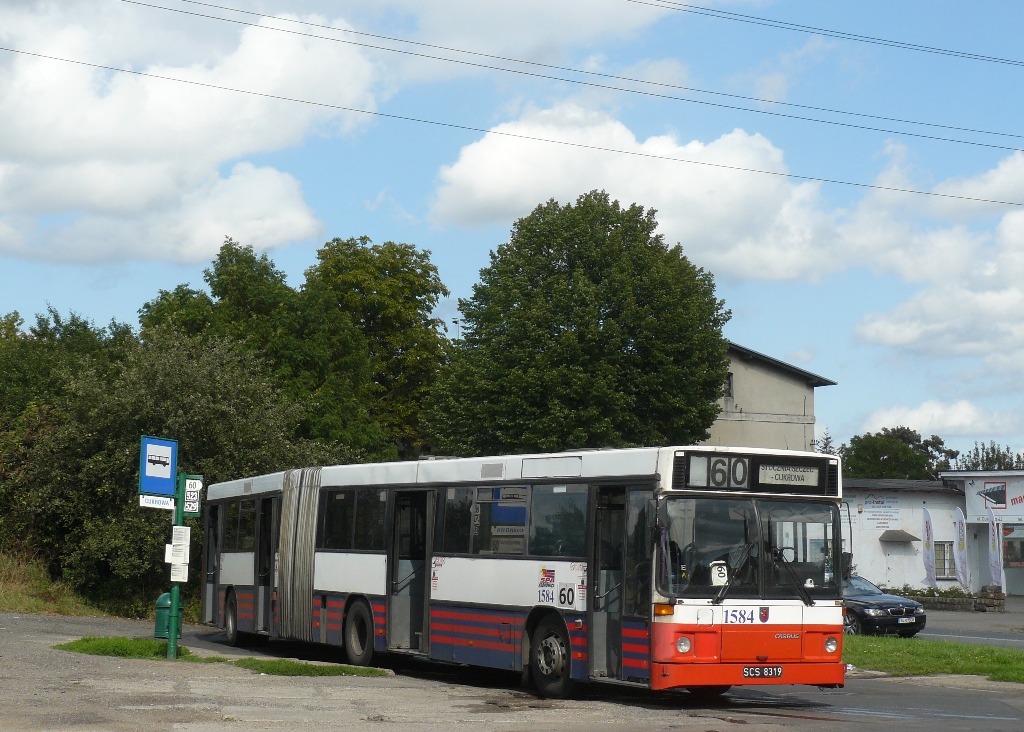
(677, 567)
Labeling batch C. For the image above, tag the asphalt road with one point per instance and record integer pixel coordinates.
(45, 689)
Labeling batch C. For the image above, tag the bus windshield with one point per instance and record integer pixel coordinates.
(748, 548)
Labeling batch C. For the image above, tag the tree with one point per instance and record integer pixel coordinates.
(70, 468)
(990, 457)
(585, 330)
(390, 291)
(315, 352)
(897, 452)
(826, 445)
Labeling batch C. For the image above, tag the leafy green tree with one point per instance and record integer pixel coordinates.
(34, 362)
(315, 352)
(71, 467)
(585, 330)
(990, 457)
(390, 291)
(896, 452)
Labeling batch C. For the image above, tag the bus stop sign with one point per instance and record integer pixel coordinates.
(158, 466)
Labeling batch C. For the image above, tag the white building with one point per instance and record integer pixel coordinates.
(1002, 493)
(883, 525)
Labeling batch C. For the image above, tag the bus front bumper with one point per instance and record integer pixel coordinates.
(673, 675)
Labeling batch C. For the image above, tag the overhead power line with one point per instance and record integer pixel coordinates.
(518, 136)
(755, 20)
(720, 105)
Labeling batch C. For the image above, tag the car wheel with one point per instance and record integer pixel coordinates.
(851, 624)
(551, 658)
(359, 634)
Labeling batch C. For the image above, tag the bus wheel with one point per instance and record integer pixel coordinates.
(359, 634)
(551, 658)
(231, 620)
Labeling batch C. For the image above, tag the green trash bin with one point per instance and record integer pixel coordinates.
(163, 617)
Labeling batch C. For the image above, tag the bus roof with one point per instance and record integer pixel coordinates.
(640, 462)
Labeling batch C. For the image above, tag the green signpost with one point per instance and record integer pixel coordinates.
(187, 502)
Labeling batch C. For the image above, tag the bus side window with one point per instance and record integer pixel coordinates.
(369, 521)
(499, 525)
(338, 517)
(458, 520)
(558, 521)
(247, 526)
(231, 528)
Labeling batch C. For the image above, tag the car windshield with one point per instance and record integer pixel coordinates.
(856, 586)
(748, 547)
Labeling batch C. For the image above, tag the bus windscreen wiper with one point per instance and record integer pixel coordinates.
(804, 594)
(717, 600)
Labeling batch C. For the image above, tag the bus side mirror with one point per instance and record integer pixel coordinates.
(847, 560)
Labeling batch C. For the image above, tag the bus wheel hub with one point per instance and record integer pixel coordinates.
(551, 656)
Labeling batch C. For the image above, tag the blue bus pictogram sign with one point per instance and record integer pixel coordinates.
(158, 466)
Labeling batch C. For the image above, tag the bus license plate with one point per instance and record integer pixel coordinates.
(762, 672)
(905, 620)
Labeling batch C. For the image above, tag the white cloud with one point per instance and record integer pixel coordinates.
(946, 419)
(736, 223)
(133, 161)
(259, 206)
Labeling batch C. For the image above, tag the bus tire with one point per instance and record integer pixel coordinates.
(359, 634)
(231, 620)
(551, 658)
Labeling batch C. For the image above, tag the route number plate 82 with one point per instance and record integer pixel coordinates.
(762, 672)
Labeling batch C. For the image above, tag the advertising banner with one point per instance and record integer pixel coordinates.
(995, 562)
(960, 551)
(929, 550)
(1004, 496)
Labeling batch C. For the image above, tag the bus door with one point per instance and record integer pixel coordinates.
(607, 582)
(409, 557)
(211, 565)
(266, 545)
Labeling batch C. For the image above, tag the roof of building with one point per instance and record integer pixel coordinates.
(900, 484)
(750, 355)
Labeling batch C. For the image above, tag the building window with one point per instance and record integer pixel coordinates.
(728, 387)
(944, 568)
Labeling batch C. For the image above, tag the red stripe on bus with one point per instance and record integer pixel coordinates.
(486, 645)
(476, 632)
(467, 616)
(334, 626)
(635, 632)
(635, 663)
(634, 648)
(334, 616)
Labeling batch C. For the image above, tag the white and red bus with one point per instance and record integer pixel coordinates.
(692, 567)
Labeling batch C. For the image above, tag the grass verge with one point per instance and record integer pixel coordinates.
(919, 657)
(147, 648)
(26, 587)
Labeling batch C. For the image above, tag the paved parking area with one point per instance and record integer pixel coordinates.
(45, 689)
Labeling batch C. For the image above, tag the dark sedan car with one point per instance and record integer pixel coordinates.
(869, 610)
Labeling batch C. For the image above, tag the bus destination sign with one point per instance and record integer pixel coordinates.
(787, 475)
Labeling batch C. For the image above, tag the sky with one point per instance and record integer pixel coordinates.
(284, 125)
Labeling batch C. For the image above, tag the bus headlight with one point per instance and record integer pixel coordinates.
(683, 644)
(831, 644)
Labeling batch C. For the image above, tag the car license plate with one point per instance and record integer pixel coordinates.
(905, 620)
(762, 672)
